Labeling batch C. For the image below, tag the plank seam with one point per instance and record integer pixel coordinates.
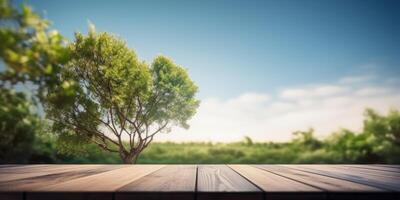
(195, 184)
(291, 178)
(344, 179)
(263, 192)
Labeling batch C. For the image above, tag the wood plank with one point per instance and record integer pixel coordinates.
(221, 182)
(391, 166)
(15, 169)
(363, 170)
(32, 183)
(23, 172)
(122, 182)
(278, 187)
(171, 178)
(270, 182)
(170, 182)
(366, 179)
(319, 181)
(8, 165)
(375, 167)
(108, 181)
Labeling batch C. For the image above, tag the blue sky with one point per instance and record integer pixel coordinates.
(231, 47)
(263, 54)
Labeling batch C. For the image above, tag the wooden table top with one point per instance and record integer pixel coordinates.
(199, 182)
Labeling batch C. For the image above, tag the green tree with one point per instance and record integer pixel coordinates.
(120, 103)
(18, 126)
(307, 139)
(383, 127)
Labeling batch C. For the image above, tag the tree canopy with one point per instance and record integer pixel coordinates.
(119, 98)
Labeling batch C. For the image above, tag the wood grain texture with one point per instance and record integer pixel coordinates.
(22, 172)
(171, 178)
(319, 181)
(104, 182)
(389, 184)
(368, 171)
(191, 182)
(278, 187)
(270, 182)
(377, 168)
(34, 183)
(391, 166)
(170, 182)
(221, 182)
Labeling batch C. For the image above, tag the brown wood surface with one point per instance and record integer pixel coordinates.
(199, 182)
(384, 183)
(220, 181)
(21, 172)
(170, 182)
(104, 182)
(271, 182)
(324, 183)
(45, 180)
(368, 171)
(276, 186)
(377, 168)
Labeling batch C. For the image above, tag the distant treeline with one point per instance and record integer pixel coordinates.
(378, 142)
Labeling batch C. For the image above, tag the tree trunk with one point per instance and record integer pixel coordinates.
(135, 158)
(129, 159)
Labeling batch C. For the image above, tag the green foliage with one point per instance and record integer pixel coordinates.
(383, 127)
(18, 126)
(247, 141)
(172, 97)
(306, 139)
(116, 97)
(30, 51)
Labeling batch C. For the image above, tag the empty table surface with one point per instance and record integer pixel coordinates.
(199, 182)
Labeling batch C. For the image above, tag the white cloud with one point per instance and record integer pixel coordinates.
(373, 91)
(267, 117)
(356, 79)
(312, 92)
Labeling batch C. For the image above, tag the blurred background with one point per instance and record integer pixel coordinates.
(279, 81)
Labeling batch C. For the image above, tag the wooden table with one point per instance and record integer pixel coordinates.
(199, 182)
